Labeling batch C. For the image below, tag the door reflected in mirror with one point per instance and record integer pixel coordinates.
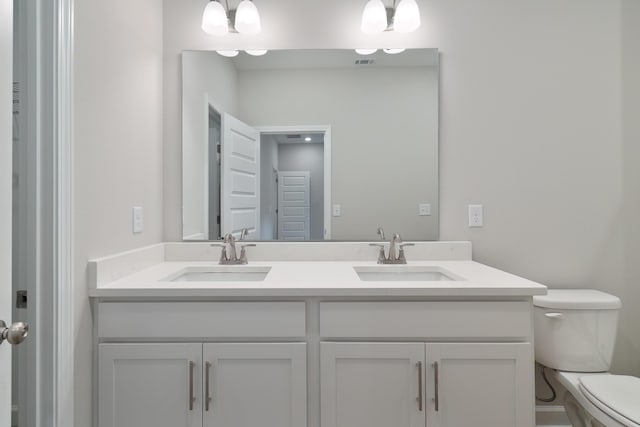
(310, 145)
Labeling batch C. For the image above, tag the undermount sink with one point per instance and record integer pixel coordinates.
(402, 273)
(220, 274)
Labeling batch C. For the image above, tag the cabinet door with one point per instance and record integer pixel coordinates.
(250, 385)
(371, 385)
(149, 385)
(471, 385)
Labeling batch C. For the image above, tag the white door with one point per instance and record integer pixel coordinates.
(372, 384)
(240, 175)
(255, 385)
(479, 385)
(6, 69)
(294, 205)
(149, 385)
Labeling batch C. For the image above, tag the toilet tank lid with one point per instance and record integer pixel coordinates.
(577, 299)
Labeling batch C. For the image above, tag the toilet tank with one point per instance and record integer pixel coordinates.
(575, 329)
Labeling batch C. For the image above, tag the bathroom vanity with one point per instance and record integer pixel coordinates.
(441, 341)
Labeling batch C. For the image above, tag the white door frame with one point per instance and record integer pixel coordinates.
(266, 130)
(6, 71)
(51, 392)
(64, 313)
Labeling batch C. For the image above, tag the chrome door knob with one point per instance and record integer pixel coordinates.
(14, 334)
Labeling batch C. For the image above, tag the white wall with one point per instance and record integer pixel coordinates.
(212, 78)
(308, 157)
(117, 148)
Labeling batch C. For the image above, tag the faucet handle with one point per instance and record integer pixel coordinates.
(381, 233)
(401, 256)
(243, 253)
(223, 252)
(243, 233)
(381, 256)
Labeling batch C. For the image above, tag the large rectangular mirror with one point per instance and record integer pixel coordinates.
(310, 145)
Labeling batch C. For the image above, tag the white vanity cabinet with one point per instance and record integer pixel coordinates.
(472, 364)
(372, 384)
(315, 362)
(434, 384)
(149, 385)
(479, 384)
(255, 385)
(193, 385)
(200, 383)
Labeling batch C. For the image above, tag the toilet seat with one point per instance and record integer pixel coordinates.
(616, 395)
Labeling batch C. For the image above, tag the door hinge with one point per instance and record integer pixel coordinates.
(218, 149)
(218, 219)
(21, 299)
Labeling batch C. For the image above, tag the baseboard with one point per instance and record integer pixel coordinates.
(551, 416)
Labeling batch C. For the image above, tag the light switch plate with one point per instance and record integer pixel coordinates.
(424, 209)
(475, 216)
(137, 219)
(336, 210)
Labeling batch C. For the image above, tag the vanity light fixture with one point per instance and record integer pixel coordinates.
(407, 17)
(403, 18)
(256, 52)
(247, 18)
(374, 17)
(366, 51)
(218, 21)
(393, 51)
(214, 19)
(228, 53)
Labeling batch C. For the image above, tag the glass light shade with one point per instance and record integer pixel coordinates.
(407, 17)
(374, 17)
(256, 52)
(214, 19)
(366, 51)
(228, 53)
(247, 18)
(393, 51)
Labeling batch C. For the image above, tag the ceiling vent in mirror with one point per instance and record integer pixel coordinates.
(365, 61)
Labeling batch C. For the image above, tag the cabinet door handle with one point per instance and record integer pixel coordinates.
(419, 386)
(436, 399)
(207, 398)
(191, 398)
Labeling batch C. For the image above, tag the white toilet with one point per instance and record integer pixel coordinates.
(575, 332)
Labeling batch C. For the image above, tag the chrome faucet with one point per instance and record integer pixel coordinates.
(396, 250)
(232, 257)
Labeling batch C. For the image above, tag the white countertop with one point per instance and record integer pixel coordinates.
(319, 278)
